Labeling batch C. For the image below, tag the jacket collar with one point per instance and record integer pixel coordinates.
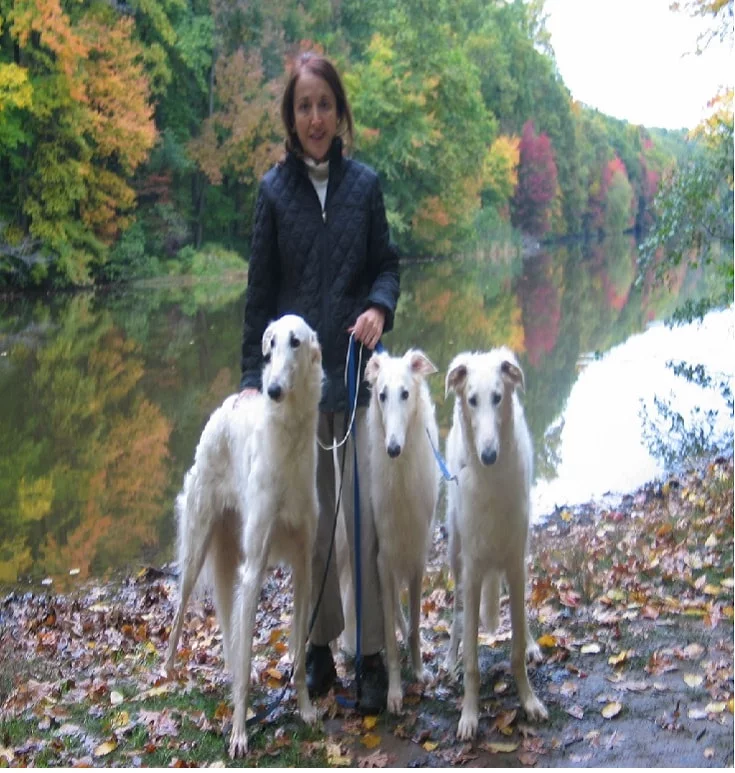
(336, 162)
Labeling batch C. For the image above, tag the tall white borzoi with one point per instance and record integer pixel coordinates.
(404, 484)
(488, 511)
(249, 501)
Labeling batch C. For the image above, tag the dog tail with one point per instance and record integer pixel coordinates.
(490, 604)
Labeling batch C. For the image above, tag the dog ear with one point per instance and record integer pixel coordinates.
(315, 347)
(512, 372)
(456, 376)
(373, 368)
(420, 364)
(267, 338)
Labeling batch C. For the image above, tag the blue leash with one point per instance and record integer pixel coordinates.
(352, 387)
(440, 461)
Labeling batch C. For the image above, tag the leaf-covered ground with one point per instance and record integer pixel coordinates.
(632, 604)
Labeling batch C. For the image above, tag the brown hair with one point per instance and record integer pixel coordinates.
(320, 66)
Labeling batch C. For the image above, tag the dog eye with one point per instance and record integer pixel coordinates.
(381, 396)
(404, 394)
(295, 343)
(473, 401)
(497, 397)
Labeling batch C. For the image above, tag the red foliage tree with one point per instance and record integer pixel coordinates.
(537, 183)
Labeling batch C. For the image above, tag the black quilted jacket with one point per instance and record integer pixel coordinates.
(326, 269)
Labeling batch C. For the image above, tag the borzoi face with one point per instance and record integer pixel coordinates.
(484, 384)
(396, 383)
(290, 347)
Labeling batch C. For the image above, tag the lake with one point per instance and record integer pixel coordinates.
(104, 394)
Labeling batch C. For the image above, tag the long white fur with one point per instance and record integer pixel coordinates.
(488, 512)
(404, 485)
(250, 501)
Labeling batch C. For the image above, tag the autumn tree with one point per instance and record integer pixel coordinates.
(83, 127)
(537, 183)
(694, 209)
(406, 96)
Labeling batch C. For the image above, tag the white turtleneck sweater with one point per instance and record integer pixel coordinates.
(319, 176)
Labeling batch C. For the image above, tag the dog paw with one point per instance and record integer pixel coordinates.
(238, 744)
(535, 710)
(308, 713)
(533, 653)
(395, 701)
(467, 728)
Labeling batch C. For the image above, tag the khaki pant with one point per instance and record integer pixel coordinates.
(329, 622)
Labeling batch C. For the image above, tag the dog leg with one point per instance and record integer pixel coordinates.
(226, 557)
(191, 562)
(455, 636)
(467, 728)
(533, 651)
(390, 595)
(301, 574)
(414, 637)
(519, 624)
(249, 585)
(490, 610)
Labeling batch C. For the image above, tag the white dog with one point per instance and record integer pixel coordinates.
(404, 484)
(250, 500)
(489, 449)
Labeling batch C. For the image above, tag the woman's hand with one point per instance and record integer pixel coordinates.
(369, 326)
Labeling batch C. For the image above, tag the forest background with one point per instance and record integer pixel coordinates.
(133, 134)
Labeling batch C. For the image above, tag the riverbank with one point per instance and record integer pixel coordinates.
(632, 605)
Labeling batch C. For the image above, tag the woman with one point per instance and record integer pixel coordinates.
(321, 249)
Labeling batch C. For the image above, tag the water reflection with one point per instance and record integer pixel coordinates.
(104, 395)
(599, 434)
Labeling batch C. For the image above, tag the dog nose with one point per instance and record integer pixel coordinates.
(275, 392)
(489, 457)
(394, 450)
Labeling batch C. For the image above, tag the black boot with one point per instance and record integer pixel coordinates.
(373, 685)
(320, 670)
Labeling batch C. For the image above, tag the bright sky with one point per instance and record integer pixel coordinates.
(628, 58)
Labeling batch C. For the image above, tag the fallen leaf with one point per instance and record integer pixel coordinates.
(105, 748)
(547, 640)
(501, 748)
(369, 722)
(576, 711)
(116, 698)
(697, 714)
(693, 680)
(612, 709)
(374, 760)
(590, 649)
(615, 660)
(370, 740)
(505, 720)
(429, 746)
(715, 707)
(336, 758)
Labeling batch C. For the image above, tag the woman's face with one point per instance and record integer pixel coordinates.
(315, 111)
